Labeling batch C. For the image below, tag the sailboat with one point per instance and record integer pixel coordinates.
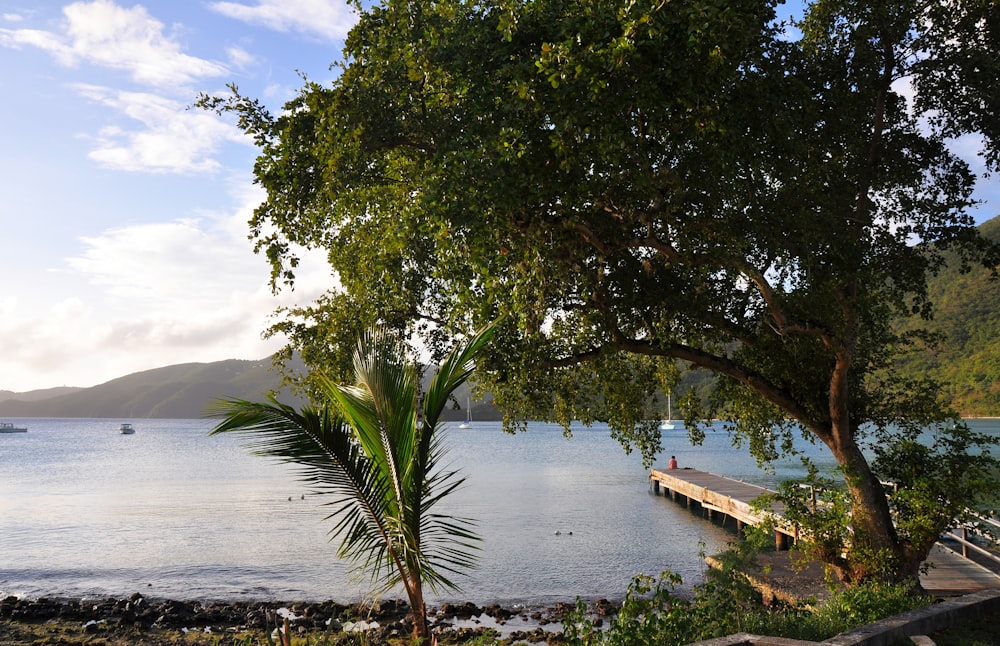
(668, 424)
(468, 415)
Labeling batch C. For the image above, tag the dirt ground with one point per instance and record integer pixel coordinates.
(74, 633)
(785, 579)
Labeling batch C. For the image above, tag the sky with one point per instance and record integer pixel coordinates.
(123, 210)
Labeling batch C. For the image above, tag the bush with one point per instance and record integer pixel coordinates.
(726, 604)
(863, 604)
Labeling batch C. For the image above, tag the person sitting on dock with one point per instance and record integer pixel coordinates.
(673, 462)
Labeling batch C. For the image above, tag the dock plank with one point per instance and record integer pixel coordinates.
(719, 493)
(948, 573)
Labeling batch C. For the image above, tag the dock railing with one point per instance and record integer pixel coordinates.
(965, 535)
(734, 499)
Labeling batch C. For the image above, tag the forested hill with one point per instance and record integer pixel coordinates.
(967, 312)
(181, 391)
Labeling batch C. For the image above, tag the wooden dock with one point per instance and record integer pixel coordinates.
(718, 495)
(949, 573)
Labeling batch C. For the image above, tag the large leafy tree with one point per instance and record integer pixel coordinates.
(376, 447)
(641, 183)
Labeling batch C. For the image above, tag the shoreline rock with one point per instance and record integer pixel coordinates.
(146, 619)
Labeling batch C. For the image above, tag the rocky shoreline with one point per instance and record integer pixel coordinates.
(142, 621)
(146, 621)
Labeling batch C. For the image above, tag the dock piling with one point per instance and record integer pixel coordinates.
(717, 494)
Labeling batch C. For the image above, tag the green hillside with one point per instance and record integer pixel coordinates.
(967, 313)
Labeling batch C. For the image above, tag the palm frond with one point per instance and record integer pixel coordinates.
(331, 461)
(454, 370)
(382, 406)
(457, 366)
(380, 462)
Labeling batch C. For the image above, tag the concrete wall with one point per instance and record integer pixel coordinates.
(924, 621)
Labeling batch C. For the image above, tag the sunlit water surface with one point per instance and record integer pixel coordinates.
(173, 513)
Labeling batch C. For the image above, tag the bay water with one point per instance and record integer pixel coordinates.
(173, 513)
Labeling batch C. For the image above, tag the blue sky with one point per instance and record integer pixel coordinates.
(123, 212)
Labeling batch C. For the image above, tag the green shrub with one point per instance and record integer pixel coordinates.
(726, 604)
(864, 604)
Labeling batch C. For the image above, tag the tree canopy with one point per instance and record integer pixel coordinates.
(633, 184)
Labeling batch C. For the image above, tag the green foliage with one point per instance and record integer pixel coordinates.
(650, 614)
(727, 604)
(603, 175)
(487, 638)
(861, 605)
(936, 477)
(821, 509)
(375, 447)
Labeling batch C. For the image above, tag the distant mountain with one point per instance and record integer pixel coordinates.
(35, 395)
(179, 391)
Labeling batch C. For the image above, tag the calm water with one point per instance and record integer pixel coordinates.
(171, 512)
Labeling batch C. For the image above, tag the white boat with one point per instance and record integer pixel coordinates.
(126, 429)
(7, 427)
(468, 415)
(668, 424)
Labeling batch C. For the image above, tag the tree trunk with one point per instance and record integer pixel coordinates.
(421, 626)
(875, 551)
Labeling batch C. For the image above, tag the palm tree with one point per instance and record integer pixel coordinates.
(375, 448)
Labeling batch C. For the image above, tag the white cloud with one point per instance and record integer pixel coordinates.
(15, 38)
(328, 20)
(160, 135)
(185, 263)
(7, 306)
(152, 295)
(191, 284)
(36, 341)
(105, 34)
(173, 139)
(198, 268)
(240, 57)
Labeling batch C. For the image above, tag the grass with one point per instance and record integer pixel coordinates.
(984, 632)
